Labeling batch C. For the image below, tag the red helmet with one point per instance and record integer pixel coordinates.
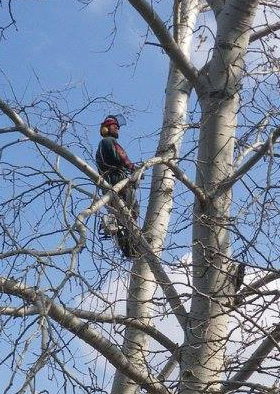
(110, 120)
(118, 120)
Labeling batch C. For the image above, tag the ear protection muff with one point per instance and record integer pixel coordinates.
(104, 130)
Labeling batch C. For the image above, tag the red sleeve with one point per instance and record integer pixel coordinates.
(124, 158)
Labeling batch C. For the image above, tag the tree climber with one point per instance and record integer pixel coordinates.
(114, 165)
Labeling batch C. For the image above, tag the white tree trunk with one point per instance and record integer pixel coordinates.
(203, 353)
(142, 285)
(206, 335)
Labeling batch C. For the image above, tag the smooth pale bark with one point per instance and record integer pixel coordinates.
(216, 5)
(205, 339)
(203, 354)
(143, 286)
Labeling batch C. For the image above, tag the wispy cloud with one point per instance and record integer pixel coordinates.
(101, 6)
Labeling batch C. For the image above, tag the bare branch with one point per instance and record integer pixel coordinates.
(178, 173)
(250, 289)
(6, 130)
(125, 218)
(35, 136)
(183, 270)
(181, 176)
(98, 318)
(229, 182)
(256, 359)
(36, 253)
(264, 32)
(19, 312)
(253, 387)
(170, 365)
(36, 367)
(82, 330)
(270, 4)
(131, 322)
(166, 40)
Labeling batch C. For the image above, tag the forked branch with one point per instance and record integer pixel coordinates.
(264, 32)
(124, 213)
(90, 316)
(82, 330)
(250, 366)
(166, 40)
(230, 181)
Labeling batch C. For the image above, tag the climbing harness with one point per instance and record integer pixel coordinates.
(109, 228)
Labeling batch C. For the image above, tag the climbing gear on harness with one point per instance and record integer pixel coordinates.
(108, 226)
(124, 241)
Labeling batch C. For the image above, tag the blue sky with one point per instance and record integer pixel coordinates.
(58, 44)
(61, 43)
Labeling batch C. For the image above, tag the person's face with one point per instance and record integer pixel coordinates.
(114, 130)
